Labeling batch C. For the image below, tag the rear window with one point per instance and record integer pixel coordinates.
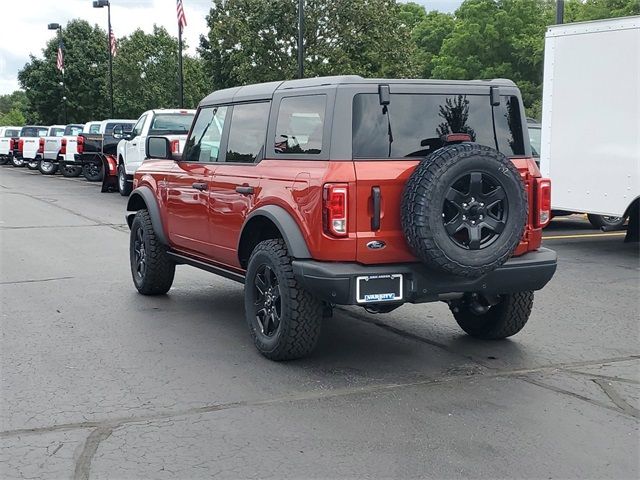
(95, 128)
(56, 132)
(300, 125)
(126, 127)
(73, 130)
(171, 124)
(11, 133)
(33, 132)
(413, 124)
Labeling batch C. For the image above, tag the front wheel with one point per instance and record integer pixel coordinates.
(124, 187)
(47, 168)
(151, 267)
(93, 171)
(502, 318)
(284, 319)
(611, 223)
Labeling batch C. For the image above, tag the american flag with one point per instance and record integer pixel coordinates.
(112, 43)
(60, 57)
(182, 20)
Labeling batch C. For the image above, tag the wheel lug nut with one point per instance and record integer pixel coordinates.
(482, 204)
(464, 217)
(464, 205)
(472, 222)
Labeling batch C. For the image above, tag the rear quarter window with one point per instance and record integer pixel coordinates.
(300, 125)
(509, 128)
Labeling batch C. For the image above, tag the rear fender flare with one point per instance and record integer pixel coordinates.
(143, 197)
(284, 222)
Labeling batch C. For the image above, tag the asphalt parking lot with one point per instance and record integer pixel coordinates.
(100, 382)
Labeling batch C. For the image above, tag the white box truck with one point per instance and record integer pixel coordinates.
(591, 118)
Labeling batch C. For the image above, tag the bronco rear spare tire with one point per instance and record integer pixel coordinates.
(464, 209)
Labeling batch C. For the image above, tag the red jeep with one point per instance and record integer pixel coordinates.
(350, 191)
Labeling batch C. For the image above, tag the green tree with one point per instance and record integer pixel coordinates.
(428, 36)
(253, 41)
(13, 117)
(85, 77)
(16, 100)
(580, 11)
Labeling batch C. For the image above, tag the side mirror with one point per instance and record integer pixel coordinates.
(158, 147)
(118, 132)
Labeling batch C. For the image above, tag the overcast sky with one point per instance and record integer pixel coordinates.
(24, 24)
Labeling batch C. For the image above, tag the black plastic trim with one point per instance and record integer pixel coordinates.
(336, 282)
(286, 225)
(154, 211)
(218, 270)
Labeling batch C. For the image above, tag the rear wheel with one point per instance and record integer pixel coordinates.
(599, 221)
(69, 171)
(47, 168)
(4, 160)
(124, 186)
(500, 318)
(17, 162)
(93, 171)
(151, 268)
(284, 319)
(33, 164)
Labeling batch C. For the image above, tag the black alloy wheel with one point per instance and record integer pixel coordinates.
(139, 254)
(268, 304)
(475, 210)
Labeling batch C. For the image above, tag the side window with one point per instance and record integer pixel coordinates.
(413, 124)
(137, 129)
(248, 132)
(203, 145)
(300, 125)
(509, 128)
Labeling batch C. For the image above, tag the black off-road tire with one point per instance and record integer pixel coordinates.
(300, 312)
(93, 171)
(502, 320)
(160, 270)
(124, 186)
(4, 160)
(47, 168)
(611, 223)
(33, 164)
(69, 171)
(425, 201)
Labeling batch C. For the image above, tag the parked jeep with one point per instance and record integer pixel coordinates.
(350, 191)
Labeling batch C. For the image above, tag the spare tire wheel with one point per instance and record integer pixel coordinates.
(464, 209)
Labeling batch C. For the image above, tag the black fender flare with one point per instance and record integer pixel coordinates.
(287, 226)
(145, 194)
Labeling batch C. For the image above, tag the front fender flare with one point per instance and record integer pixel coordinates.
(287, 226)
(144, 196)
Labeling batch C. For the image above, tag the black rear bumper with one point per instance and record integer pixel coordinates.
(336, 282)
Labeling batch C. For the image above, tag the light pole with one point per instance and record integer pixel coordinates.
(58, 27)
(101, 4)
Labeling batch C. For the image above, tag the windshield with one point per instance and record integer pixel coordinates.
(535, 137)
(11, 133)
(73, 130)
(171, 123)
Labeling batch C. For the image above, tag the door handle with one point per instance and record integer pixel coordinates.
(245, 190)
(200, 186)
(375, 220)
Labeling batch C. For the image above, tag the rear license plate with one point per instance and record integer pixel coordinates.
(379, 288)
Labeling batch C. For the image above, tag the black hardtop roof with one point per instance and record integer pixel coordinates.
(261, 91)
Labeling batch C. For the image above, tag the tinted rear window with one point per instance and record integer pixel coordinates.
(414, 124)
(73, 130)
(56, 132)
(171, 124)
(126, 127)
(11, 133)
(33, 132)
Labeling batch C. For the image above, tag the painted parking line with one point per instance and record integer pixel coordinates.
(585, 235)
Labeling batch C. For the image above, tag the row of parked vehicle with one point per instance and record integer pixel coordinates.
(109, 150)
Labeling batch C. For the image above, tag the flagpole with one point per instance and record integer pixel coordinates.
(180, 65)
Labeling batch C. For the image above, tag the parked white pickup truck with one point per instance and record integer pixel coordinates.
(7, 134)
(173, 124)
(69, 147)
(27, 148)
(48, 150)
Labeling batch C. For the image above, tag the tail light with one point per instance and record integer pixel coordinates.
(334, 203)
(63, 146)
(80, 145)
(175, 146)
(21, 145)
(11, 143)
(543, 201)
(41, 145)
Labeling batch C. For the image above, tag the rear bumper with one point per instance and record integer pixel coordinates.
(336, 282)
